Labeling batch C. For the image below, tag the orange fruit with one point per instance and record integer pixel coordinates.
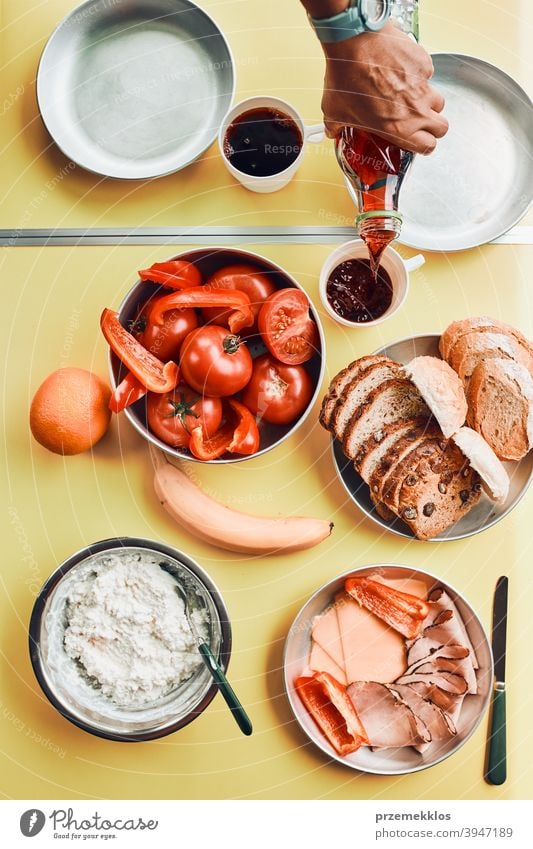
(69, 412)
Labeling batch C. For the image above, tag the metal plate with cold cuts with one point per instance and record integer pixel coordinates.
(135, 88)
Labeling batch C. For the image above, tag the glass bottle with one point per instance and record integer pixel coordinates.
(376, 168)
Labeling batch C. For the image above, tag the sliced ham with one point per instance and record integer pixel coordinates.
(425, 648)
(372, 650)
(326, 633)
(442, 611)
(450, 682)
(388, 721)
(447, 658)
(320, 661)
(446, 701)
(439, 725)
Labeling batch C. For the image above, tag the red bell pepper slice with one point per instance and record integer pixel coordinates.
(402, 611)
(175, 274)
(239, 435)
(340, 699)
(203, 296)
(246, 434)
(127, 392)
(327, 716)
(151, 372)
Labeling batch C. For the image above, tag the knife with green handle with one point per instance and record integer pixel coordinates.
(496, 771)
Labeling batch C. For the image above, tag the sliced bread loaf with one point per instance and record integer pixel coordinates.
(392, 401)
(376, 447)
(430, 446)
(457, 329)
(357, 392)
(438, 492)
(403, 448)
(441, 389)
(500, 406)
(483, 344)
(340, 382)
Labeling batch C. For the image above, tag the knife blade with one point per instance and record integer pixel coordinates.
(497, 743)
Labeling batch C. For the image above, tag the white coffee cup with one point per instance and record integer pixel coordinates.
(313, 134)
(397, 268)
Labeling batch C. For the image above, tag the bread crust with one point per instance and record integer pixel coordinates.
(501, 407)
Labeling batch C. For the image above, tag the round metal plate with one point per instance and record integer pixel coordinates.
(479, 181)
(135, 89)
(484, 515)
(387, 761)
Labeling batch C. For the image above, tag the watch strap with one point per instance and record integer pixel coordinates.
(339, 27)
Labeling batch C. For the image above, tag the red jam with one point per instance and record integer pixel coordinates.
(355, 294)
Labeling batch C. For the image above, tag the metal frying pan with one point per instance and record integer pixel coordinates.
(479, 181)
(135, 88)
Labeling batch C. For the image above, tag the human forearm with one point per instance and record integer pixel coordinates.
(324, 8)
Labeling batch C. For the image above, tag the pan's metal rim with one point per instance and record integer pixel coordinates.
(425, 246)
(397, 530)
(456, 594)
(35, 624)
(174, 452)
(138, 177)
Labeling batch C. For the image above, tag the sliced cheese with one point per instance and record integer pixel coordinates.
(326, 633)
(320, 661)
(412, 586)
(372, 650)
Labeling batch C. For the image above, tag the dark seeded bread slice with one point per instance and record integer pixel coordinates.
(484, 344)
(500, 407)
(430, 446)
(440, 491)
(340, 382)
(376, 447)
(415, 437)
(394, 400)
(358, 391)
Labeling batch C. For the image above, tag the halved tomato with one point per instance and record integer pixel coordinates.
(286, 327)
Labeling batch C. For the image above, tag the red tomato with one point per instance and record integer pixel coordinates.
(287, 328)
(277, 393)
(247, 278)
(173, 416)
(164, 340)
(214, 362)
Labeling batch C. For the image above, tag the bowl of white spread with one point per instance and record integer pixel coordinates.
(111, 645)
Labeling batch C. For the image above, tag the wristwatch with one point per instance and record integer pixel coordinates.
(360, 16)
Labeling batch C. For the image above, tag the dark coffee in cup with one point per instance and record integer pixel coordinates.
(262, 142)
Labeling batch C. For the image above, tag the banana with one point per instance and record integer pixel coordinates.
(221, 526)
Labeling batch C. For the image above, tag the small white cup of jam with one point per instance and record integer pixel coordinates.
(349, 293)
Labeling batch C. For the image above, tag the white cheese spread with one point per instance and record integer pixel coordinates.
(126, 630)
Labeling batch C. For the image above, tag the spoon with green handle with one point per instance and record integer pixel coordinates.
(239, 714)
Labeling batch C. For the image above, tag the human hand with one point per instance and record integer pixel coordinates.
(379, 81)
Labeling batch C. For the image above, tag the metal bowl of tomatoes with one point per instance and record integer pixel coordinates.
(249, 366)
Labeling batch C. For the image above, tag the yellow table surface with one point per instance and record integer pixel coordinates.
(275, 53)
(52, 298)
